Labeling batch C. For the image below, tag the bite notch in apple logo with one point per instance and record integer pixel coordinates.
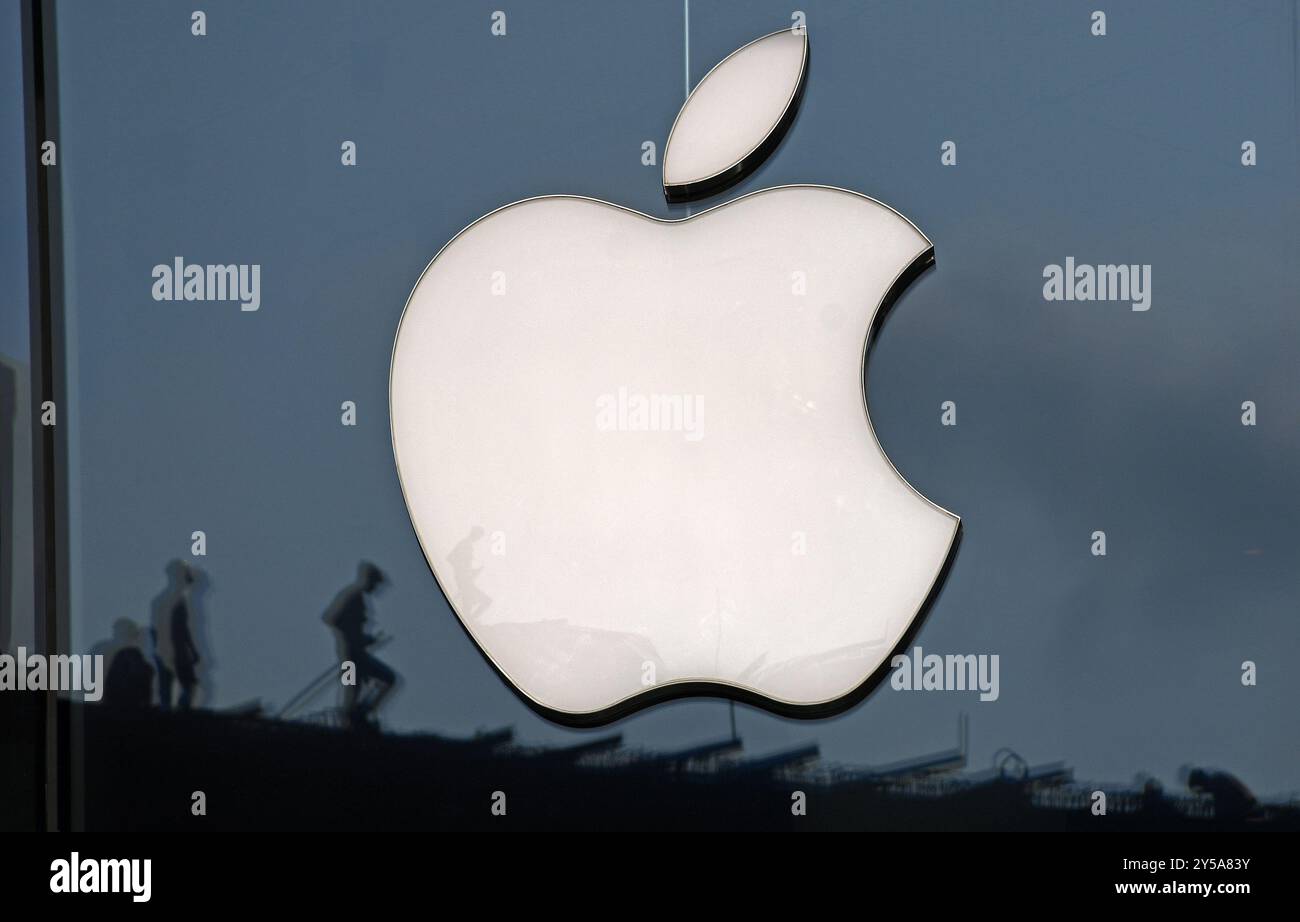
(636, 452)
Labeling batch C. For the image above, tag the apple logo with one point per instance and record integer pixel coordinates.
(636, 452)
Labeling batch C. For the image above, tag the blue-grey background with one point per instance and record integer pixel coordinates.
(1072, 417)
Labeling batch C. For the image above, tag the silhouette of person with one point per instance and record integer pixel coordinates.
(198, 626)
(473, 600)
(175, 654)
(348, 616)
(128, 677)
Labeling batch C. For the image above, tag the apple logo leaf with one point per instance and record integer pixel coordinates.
(736, 116)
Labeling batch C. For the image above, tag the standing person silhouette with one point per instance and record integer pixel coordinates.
(347, 616)
(175, 653)
(185, 652)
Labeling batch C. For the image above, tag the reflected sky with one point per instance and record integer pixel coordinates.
(1072, 416)
(14, 332)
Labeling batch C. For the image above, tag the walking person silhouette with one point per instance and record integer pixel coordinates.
(474, 601)
(347, 616)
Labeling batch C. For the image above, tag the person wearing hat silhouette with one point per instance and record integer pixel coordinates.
(128, 677)
(348, 616)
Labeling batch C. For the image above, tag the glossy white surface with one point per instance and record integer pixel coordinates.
(594, 554)
(734, 108)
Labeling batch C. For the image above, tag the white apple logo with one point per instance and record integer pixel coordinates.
(636, 452)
